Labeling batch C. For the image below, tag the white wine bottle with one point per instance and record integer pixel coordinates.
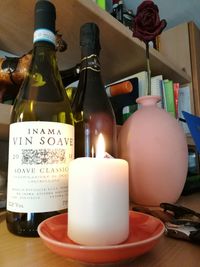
(91, 107)
(41, 141)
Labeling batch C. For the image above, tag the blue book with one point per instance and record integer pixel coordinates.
(193, 123)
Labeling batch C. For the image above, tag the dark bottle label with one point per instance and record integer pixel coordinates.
(90, 62)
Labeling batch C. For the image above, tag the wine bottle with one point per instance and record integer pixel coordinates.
(41, 141)
(92, 110)
(70, 75)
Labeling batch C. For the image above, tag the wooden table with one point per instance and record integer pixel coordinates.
(31, 252)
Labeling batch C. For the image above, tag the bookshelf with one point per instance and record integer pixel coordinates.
(121, 56)
(185, 51)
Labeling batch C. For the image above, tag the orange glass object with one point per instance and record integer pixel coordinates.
(145, 232)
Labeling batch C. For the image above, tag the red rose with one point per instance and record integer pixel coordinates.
(147, 24)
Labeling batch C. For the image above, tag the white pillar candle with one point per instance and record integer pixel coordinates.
(98, 201)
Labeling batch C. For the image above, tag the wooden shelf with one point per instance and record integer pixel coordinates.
(121, 56)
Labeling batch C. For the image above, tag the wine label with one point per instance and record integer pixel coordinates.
(39, 155)
(44, 35)
(90, 62)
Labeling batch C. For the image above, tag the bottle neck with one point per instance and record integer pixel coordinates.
(44, 38)
(86, 51)
(44, 35)
(90, 59)
(43, 45)
(43, 73)
(44, 54)
(90, 62)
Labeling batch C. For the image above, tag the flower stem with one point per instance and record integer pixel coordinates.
(148, 70)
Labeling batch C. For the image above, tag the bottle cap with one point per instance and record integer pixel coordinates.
(45, 15)
(89, 36)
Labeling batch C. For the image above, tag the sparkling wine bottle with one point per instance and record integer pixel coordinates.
(92, 110)
(41, 137)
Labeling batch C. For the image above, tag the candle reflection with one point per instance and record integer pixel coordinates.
(100, 146)
(92, 152)
(87, 142)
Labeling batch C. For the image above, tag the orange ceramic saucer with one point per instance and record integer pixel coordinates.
(145, 231)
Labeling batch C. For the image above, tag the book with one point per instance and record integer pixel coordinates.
(124, 100)
(142, 82)
(119, 88)
(176, 87)
(193, 123)
(127, 111)
(184, 104)
(168, 96)
(156, 88)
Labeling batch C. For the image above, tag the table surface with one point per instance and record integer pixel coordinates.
(19, 251)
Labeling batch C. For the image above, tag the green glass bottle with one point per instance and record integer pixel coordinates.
(41, 141)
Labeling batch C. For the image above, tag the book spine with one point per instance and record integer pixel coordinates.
(184, 104)
(176, 88)
(156, 88)
(168, 94)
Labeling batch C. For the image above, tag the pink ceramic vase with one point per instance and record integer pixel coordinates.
(154, 144)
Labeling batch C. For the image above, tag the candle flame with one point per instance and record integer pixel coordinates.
(100, 146)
